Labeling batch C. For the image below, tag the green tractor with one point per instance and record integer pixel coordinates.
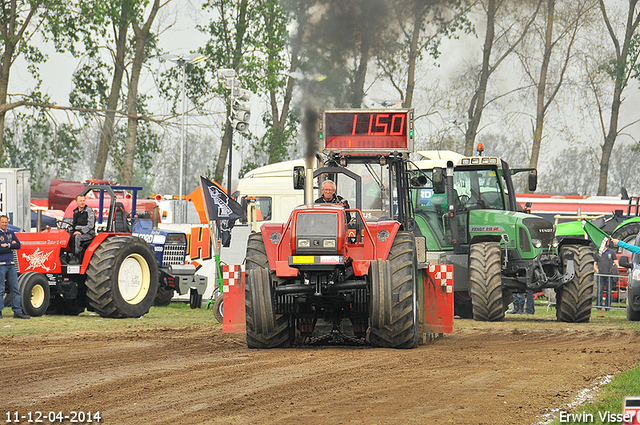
(498, 249)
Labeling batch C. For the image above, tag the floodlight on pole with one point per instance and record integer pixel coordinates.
(182, 62)
(239, 110)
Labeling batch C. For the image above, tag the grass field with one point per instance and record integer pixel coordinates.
(176, 315)
(179, 315)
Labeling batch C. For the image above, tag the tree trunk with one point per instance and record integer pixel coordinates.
(542, 86)
(413, 54)
(142, 37)
(4, 84)
(621, 78)
(106, 135)
(477, 103)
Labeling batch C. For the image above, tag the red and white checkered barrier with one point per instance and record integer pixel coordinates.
(442, 274)
(233, 292)
(231, 275)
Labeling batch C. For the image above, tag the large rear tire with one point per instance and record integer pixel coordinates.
(163, 297)
(575, 298)
(34, 293)
(485, 282)
(256, 253)
(265, 329)
(122, 278)
(394, 296)
(627, 233)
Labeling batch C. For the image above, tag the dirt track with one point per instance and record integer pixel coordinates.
(501, 375)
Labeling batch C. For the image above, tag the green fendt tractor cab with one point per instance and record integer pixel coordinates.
(498, 250)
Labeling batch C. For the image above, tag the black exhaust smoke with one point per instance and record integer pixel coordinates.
(310, 128)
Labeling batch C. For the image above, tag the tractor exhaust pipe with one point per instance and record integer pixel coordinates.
(310, 125)
(308, 186)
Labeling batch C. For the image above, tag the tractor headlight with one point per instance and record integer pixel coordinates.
(555, 243)
(329, 243)
(536, 243)
(304, 243)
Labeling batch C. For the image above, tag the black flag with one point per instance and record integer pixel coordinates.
(221, 208)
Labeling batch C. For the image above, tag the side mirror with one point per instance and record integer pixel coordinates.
(533, 182)
(438, 180)
(624, 262)
(298, 177)
(418, 181)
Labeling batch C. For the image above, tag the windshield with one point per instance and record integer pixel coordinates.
(377, 188)
(474, 187)
(478, 189)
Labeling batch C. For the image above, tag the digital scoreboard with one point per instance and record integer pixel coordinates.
(367, 130)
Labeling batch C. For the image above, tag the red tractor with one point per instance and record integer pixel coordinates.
(361, 270)
(118, 276)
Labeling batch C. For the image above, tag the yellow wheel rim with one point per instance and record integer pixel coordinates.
(134, 279)
(37, 296)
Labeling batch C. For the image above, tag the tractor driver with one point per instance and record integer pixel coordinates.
(329, 196)
(82, 227)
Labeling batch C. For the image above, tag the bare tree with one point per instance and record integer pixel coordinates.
(547, 73)
(142, 38)
(621, 68)
(419, 28)
(19, 23)
(489, 63)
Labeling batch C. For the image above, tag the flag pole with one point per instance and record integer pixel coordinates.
(216, 242)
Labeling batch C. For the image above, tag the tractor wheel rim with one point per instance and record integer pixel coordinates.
(37, 296)
(134, 279)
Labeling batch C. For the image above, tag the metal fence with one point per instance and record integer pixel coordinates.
(618, 290)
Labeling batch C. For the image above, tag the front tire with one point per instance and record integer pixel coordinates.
(164, 296)
(485, 282)
(35, 293)
(632, 315)
(575, 298)
(265, 329)
(394, 296)
(122, 278)
(218, 308)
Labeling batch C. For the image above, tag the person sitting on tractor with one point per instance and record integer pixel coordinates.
(329, 196)
(82, 228)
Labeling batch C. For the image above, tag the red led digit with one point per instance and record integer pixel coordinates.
(385, 125)
(393, 125)
(370, 124)
(355, 122)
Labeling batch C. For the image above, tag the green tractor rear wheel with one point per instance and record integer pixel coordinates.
(485, 282)
(574, 298)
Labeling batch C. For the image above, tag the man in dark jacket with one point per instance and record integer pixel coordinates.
(8, 242)
(602, 266)
(82, 227)
(329, 196)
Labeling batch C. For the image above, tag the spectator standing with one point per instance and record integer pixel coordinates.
(602, 266)
(8, 242)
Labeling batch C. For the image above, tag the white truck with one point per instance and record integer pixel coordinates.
(15, 196)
